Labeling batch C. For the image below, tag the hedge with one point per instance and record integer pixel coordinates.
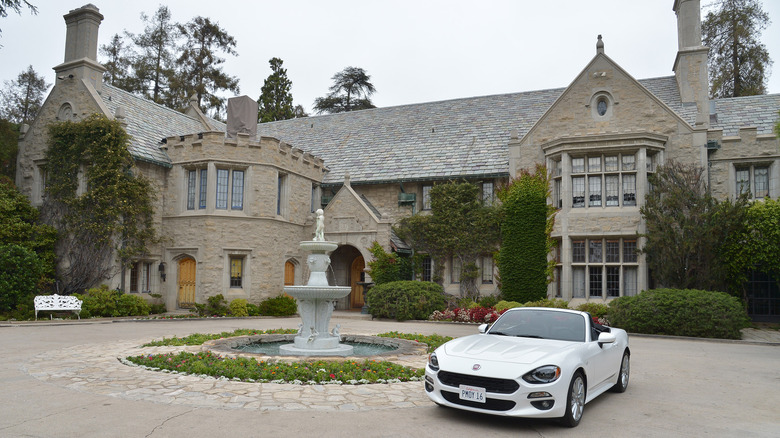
(404, 300)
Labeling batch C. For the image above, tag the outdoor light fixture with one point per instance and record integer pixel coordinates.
(161, 268)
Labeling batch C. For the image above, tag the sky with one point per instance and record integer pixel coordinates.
(414, 50)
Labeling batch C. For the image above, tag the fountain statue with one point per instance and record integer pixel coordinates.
(316, 301)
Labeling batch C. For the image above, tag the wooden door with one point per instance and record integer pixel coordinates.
(187, 272)
(289, 273)
(356, 275)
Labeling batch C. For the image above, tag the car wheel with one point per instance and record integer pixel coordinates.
(575, 401)
(623, 374)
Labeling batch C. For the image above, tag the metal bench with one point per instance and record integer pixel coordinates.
(57, 302)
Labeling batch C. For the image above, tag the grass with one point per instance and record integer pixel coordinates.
(252, 370)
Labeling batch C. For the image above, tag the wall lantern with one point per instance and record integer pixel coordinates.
(161, 268)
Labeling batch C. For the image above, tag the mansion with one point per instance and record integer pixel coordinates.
(236, 198)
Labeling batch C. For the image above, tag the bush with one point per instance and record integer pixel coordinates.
(388, 267)
(404, 300)
(695, 313)
(489, 301)
(20, 272)
(282, 305)
(253, 309)
(101, 301)
(238, 307)
(597, 310)
(504, 305)
(556, 303)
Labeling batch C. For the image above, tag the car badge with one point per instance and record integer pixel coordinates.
(476, 367)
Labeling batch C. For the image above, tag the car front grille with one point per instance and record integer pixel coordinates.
(499, 386)
(490, 404)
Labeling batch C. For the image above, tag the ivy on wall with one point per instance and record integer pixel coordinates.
(527, 222)
(102, 208)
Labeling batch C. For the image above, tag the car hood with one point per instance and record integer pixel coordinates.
(506, 348)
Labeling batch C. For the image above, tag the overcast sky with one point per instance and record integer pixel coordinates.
(415, 51)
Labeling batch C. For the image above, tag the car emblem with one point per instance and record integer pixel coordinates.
(476, 367)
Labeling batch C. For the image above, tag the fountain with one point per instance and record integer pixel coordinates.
(316, 301)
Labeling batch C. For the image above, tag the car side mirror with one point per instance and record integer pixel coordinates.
(606, 338)
(482, 328)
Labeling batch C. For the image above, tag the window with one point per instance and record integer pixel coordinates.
(761, 179)
(203, 188)
(578, 191)
(427, 269)
(607, 269)
(758, 187)
(236, 271)
(556, 194)
(426, 197)
(140, 277)
(455, 270)
(594, 191)
(629, 190)
(282, 194)
(487, 270)
(601, 106)
(577, 165)
(613, 190)
(237, 195)
(222, 188)
(191, 176)
(608, 177)
(487, 193)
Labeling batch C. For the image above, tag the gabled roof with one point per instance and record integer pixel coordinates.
(436, 140)
(148, 123)
(735, 112)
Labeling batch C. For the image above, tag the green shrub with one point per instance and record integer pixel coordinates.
(216, 305)
(238, 307)
(158, 308)
(503, 305)
(388, 266)
(252, 309)
(404, 300)
(556, 303)
(20, 272)
(101, 301)
(132, 305)
(599, 310)
(695, 313)
(282, 305)
(489, 301)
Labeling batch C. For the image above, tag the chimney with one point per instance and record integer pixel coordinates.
(241, 116)
(690, 66)
(81, 46)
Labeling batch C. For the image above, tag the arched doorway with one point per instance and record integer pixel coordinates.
(356, 276)
(289, 273)
(187, 271)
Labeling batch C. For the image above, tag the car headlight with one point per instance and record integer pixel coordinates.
(433, 362)
(545, 374)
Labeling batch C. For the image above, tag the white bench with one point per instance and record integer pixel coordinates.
(57, 302)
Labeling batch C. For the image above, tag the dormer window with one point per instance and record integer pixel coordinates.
(601, 106)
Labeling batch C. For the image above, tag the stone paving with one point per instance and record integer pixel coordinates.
(96, 368)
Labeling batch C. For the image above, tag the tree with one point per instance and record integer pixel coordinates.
(687, 230)
(199, 63)
(351, 91)
(20, 226)
(299, 111)
(101, 208)
(9, 146)
(276, 102)
(155, 64)
(16, 6)
(459, 228)
(526, 225)
(738, 61)
(21, 99)
(120, 58)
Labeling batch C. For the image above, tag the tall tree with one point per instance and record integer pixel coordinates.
(526, 225)
(9, 146)
(155, 65)
(200, 62)
(119, 59)
(459, 228)
(687, 230)
(351, 91)
(276, 102)
(738, 61)
(16, 6)
(22, 98)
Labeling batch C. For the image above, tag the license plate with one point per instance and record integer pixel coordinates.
(472, 393)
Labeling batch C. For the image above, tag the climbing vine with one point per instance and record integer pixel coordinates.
(526, 225)
(102, 208)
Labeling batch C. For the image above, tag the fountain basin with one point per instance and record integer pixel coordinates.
(314, 292)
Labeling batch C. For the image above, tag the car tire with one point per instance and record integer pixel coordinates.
(575, 401)
(623, 374)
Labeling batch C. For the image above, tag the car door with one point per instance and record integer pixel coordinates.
(604, 359)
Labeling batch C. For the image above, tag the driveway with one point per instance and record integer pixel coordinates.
(63, 380)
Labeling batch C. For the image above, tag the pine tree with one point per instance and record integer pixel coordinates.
(155, 65)
(738, 61)
(276, 102)
(120, 57)
(351, 91)
(21, 99)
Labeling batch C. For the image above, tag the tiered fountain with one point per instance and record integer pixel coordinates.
(316, 301)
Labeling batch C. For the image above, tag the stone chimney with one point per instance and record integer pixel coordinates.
(241, 116)
(690, 66)
(81, 46)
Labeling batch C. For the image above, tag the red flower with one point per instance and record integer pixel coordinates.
(332, 376)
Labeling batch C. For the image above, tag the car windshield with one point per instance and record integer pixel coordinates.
(541, 324)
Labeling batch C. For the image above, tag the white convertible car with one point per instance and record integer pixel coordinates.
(532, 362)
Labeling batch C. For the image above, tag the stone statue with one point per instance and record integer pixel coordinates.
(319, 231)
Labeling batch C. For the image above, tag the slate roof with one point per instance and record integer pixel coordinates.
(735, 112)
(436, 140)
(148, 123)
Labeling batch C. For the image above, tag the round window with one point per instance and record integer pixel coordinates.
(601, 106)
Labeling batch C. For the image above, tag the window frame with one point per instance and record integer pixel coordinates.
(603, 267)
